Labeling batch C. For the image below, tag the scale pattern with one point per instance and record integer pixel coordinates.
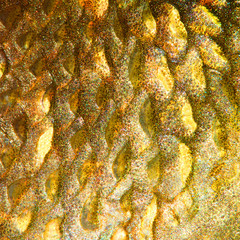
(119, 119)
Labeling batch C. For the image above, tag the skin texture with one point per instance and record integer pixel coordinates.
(119, 119)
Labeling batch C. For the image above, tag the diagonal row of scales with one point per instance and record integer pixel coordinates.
(119, 119)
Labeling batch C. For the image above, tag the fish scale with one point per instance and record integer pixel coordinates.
(119, 119)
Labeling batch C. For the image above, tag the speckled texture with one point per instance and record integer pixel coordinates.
(119, 119)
